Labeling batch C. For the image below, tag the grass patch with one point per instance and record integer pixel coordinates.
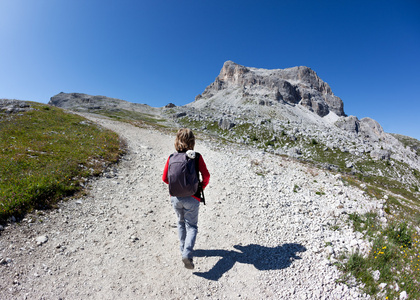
(45, 154)
(394, 259)
(367, 224)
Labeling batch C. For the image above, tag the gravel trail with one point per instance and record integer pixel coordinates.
(270, 230)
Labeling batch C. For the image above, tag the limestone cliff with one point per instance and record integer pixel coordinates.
(296, 86)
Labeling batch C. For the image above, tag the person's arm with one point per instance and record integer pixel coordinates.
(165, 172)
(204, 172)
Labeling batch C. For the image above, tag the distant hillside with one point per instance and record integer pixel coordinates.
(84, 102)
(110, 107)
(410, 142)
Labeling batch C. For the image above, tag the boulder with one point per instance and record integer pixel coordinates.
(380, 154)
(226, 124)
(350, 124)
(370, 129)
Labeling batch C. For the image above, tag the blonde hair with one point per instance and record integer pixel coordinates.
(185, 140)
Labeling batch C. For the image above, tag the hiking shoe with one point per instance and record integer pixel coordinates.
(188, 262)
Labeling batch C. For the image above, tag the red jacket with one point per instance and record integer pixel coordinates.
(202, 168)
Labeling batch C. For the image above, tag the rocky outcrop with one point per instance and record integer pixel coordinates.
(380, 154)
(350, 124)
(13, 106)
(298, 85)
(372, 129)
(366, 128)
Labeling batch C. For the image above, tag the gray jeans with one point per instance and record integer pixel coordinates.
(186, 209)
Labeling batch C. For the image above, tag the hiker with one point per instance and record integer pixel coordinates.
(187, 203)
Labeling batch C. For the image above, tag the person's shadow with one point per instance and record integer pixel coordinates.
(263, 258)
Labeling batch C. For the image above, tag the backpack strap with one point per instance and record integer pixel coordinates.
(196, 160)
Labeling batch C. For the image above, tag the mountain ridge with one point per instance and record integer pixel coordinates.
(288, 112)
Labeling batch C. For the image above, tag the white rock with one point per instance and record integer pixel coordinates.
(41, 239)
(382, 285)
(403, 295)
(329, 250)
(354, 243)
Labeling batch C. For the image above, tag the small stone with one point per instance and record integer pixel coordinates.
(382, 285)
(79, 202)
(1, 228)
(5, 261)
(134, 238)
(41, 239)
(376, 274)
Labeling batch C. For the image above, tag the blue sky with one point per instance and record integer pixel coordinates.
(156, 52)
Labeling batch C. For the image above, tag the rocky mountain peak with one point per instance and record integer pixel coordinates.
(231, 71)
(296, 86)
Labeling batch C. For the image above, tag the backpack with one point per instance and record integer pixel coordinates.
(183, 174)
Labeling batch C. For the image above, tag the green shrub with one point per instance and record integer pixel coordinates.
(399, 234)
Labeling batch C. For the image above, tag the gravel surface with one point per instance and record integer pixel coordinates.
(271, 229)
